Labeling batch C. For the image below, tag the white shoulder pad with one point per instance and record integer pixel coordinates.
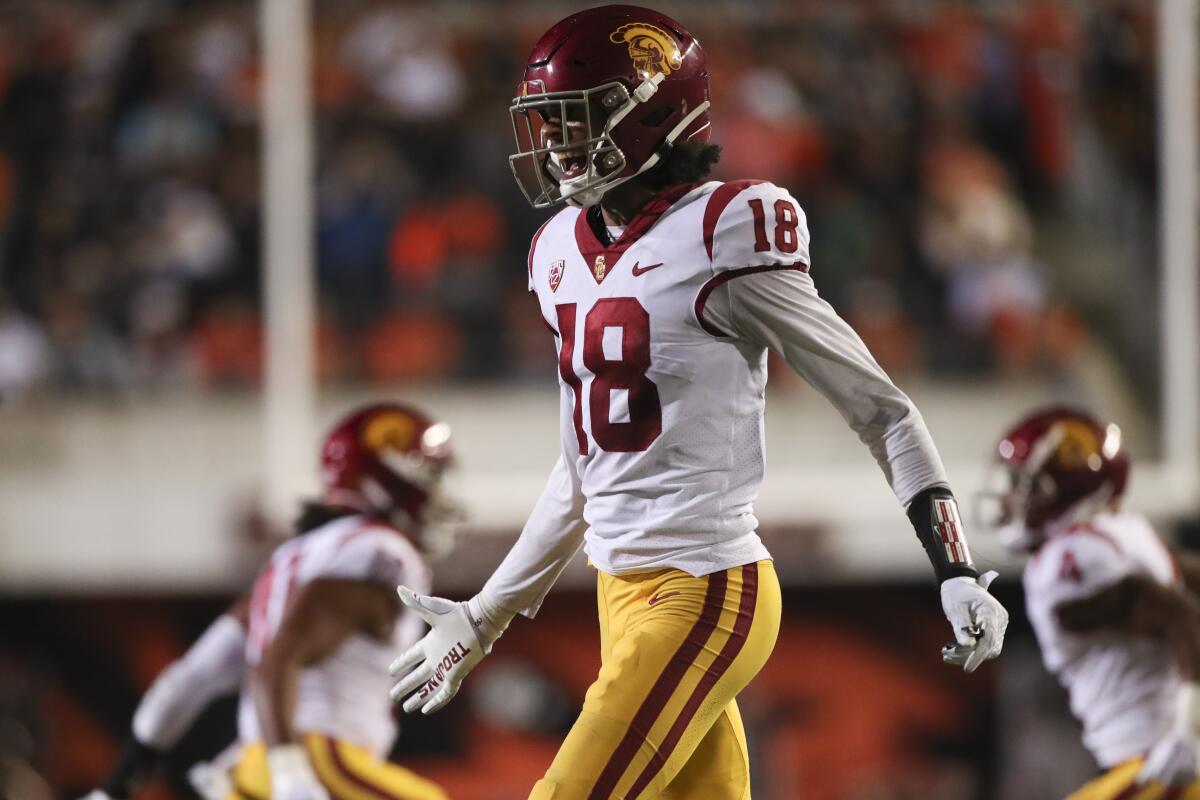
(1143, 545)
(377, 554)
(533, 249)
(552, 232)
(754, 223)
(1078, 563)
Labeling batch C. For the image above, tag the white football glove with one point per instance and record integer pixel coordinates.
(460, 635)
(978, 620)
(97, 794)
(1174, 759)
(213, 780)
(292, 776)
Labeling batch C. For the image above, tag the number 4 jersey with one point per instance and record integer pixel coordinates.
(661, 332)
(1122, 687)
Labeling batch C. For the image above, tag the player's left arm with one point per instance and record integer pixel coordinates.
(776, 305)
(212, 666)
(1141, 606)
(320, 616)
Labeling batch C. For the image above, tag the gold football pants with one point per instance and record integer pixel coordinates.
(347, 772)
(661, 721)
(1119, 784)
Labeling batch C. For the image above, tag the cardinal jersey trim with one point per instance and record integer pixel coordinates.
(591, 248)
(717, 202)
(723, 278)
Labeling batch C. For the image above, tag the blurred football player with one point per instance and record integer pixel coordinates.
(664, 292)
(1116, 620)
(310, 645)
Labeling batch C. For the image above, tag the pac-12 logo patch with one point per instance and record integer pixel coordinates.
(556, 273)
(651, 49)
(599, 268)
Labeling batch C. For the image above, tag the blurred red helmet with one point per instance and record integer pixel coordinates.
(387, 459)
(1062, 463)
(605, 94)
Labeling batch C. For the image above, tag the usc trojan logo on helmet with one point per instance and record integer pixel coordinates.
(651, 48)
(1079, 447)
(392, 431)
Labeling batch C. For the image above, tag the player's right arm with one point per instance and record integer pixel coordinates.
(212, 666)
(1095, 590)
(430, 673)
(461, 634)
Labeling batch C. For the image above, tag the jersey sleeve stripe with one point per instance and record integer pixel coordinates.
(719, 666)
(660, 693)
(1088, 529)
(718, 280)
(717, 202)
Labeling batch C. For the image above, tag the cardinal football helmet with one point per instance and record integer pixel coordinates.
(1060, 464)
(388, 460)
(605, 95)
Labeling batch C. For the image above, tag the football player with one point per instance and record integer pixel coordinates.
(1117, 618)
(663, 292)
(310, 644)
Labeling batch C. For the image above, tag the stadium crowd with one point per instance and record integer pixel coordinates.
(932, 144)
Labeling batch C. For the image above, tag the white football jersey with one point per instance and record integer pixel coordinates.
(1122, 687)
(666, 421)
(345, 696)
(661, 339)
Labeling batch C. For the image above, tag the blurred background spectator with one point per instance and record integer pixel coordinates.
(947, 156)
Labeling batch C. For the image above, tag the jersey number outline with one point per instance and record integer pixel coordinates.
(787, 225)
(1068, 569)
(627, 372)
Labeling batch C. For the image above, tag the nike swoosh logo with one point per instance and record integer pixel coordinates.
(660, 597)
(639, 270)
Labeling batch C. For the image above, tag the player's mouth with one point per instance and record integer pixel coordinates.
(572, 166)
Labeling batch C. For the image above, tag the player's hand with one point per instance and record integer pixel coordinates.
(1175, 759)
(292, 776)
(432, 669)
(978, 619)
(98, 794)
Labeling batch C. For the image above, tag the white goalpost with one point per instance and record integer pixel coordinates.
(1180, 288)
(289, 387)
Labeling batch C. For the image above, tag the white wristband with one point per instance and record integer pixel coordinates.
(289, 760)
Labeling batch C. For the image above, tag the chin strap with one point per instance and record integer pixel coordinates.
(645, 90)
(589, 197)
